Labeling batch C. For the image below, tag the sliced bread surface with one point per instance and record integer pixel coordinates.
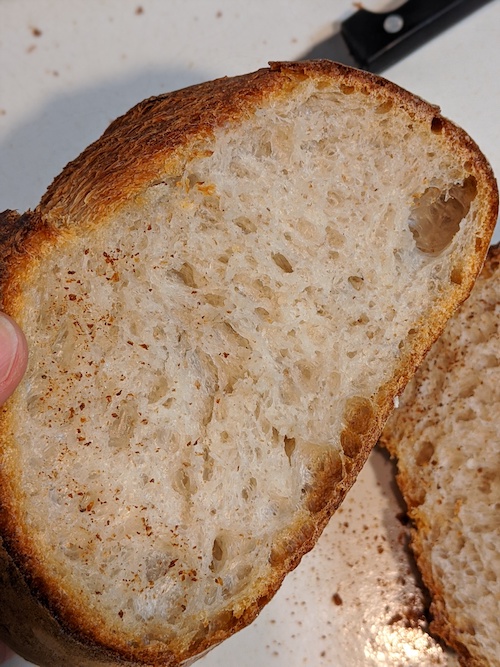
(222, 297)
(446, 438)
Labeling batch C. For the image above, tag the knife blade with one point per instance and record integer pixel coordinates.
(376, 40)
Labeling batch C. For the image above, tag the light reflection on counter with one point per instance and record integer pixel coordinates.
(397, 645)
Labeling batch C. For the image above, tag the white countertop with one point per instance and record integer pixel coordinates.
(67, 70)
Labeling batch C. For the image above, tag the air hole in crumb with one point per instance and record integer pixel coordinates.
(358, 414)
(457, 275)
(466, 415)
(347, 90)
(281, 261)
(436, 216)
(208, 465)
(334, 237)
(263, 149)
(384, 107)
(262, 312)
(223, 621)
(425, 453)
(249, 489)
(350, 442)
(490, 361)
(437, 125)
(187, 275)
(183, 484)
(217, 550)
(215, 299)
(191, 180)
(245, 224)
(289, 447)
(306, 370)
(356, 282)
(158, 389)
(217, 555)
(362, 319)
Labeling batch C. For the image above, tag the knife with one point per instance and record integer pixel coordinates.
(376, 40)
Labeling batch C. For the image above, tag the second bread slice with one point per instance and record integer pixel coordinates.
(446, 439)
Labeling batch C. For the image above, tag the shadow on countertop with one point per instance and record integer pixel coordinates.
(37, 150)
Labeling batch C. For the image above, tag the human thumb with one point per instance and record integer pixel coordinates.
(13, 356)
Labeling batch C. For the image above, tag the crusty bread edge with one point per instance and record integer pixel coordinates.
(91, 188)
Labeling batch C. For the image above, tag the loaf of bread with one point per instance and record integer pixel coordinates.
(446, 439)
(222, 297)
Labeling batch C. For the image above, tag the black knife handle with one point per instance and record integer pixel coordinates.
(377, 40)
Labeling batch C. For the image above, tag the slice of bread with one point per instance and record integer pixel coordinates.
(222, 297)
(446, 438)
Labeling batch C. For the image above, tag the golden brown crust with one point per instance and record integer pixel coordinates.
(32, 630)
(133, 150)
(144, 146)
(15, 229)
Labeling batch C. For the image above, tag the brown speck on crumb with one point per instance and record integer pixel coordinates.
(139, 10)
(336, 599)
(219, 14)
(36, 32)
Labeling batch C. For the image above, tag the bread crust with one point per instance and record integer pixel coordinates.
(145, 146)
(163, 129)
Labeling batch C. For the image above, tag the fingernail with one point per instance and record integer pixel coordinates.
(9, 342)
